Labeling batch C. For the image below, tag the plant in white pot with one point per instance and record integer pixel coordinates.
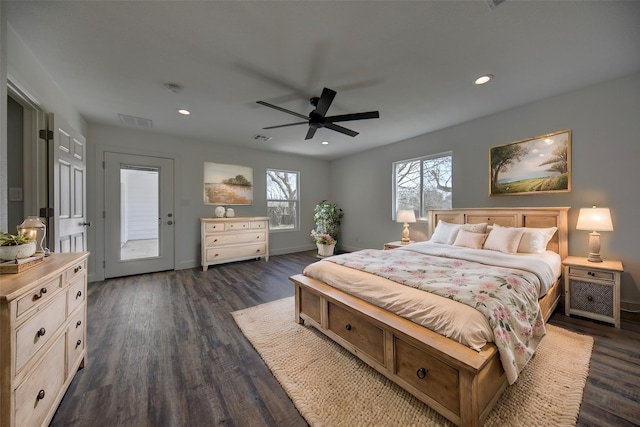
(327, 219)
(16, 246)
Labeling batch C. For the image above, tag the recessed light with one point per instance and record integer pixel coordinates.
(184, 112)
(483, 79)
(325, 142)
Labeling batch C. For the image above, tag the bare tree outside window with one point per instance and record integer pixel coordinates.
(423, 183)
(282, 199)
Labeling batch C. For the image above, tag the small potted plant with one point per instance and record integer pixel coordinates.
(16, 246)
(327, 219)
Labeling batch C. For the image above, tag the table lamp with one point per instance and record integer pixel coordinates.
(595, 219)
(406, 216)
(35, 229)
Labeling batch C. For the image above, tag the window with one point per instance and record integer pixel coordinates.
(422, 184)
(282, 199)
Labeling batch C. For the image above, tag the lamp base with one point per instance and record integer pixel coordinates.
(594, 258)
(594, 247)
(405, 234)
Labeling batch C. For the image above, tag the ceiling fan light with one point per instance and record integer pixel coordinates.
(483, 79)
(325, 142)
(184, 111)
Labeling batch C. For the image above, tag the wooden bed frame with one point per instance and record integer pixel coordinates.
(460, 383)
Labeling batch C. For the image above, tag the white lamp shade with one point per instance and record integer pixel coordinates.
(594, 219)
(406, 215)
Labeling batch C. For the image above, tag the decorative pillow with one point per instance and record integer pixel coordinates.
(443, 232)
(473, 228)
(504, 239)
(469, 240)
(535, 240)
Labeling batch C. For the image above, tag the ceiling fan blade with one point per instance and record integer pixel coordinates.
(325, 101)
(284, 110)
(283, 126)
(341, 129)
(355, 116)
(310, 133)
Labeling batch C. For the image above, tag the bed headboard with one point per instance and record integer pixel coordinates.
(511, 217)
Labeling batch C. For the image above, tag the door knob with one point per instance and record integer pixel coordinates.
(86, 224)
(170, 222)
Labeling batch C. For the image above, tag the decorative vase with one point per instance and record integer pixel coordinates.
(219, 211)
(230, 213)
(325, 250)
(10, 253)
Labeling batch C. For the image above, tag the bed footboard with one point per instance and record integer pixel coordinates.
(461, 384)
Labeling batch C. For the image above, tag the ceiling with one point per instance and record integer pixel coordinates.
(415, 62)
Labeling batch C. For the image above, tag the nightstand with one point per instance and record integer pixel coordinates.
(396, 244)
(592, 289)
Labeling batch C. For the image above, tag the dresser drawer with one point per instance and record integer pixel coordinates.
(237, 226)
(258, 225)
(593, 274)
(75, 294)
(38, 330)
(230, 252)
(229, 239)
(213, 227)
(592, 297)
(39, 295)
(356, 329)
(37, 394)
(77, 270)
(428, 374)
(75, 338)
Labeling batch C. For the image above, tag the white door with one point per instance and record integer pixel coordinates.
(67, 187)
(139, 216)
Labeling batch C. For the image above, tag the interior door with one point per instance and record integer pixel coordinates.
(139, 236)
(67, 188)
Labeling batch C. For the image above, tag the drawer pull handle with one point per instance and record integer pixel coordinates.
(347, 327)
(78, 343)
(41, 332)
(36, 297)
(591, 273)
(215, 240)
(78, 323)
(78, 268)
(421, 373)
(589, 298)
(257, 251)
(41, 394)
(79, 294)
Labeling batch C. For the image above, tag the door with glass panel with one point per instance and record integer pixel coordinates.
(139, 214)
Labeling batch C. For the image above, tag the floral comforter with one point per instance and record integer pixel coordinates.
(508, 297)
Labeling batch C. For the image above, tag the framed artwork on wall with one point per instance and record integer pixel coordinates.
(227, 184)
(531, 166)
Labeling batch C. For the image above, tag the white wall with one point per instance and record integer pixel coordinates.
(189, 156)
(605, 149)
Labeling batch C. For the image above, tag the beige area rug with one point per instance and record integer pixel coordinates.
(331, 387)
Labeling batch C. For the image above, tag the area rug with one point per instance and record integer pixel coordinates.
(331, 387)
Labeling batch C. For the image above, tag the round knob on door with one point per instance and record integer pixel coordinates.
(170, 222)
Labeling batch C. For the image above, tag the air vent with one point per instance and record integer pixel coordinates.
(139, 122)
(264, 138)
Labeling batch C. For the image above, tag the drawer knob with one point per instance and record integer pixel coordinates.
(41, 394)
(79, 294)
(421, 373)
(41, 332)
(257, 251)
(78, 343)
(78, 268)
(78, 323)
(347, 327)
(591, 273)
(38, 296)
(589, 298)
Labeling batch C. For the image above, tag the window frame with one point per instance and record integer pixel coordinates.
(296, 225)
(419, 209)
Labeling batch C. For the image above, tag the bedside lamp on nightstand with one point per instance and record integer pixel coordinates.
(406, 216)
(594, 219)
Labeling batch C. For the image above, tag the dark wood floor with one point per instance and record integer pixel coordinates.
(165, 351)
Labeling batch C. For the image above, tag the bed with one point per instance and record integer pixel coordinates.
(460, 382)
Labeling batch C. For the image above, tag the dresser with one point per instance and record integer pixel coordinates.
(233, 239)
(43, 321)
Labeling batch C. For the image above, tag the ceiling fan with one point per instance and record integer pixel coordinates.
(317, 118)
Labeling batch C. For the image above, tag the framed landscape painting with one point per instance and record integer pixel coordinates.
(531, 166)
(227, 184)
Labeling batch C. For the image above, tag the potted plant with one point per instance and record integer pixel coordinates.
(325, 234)
(15, 246)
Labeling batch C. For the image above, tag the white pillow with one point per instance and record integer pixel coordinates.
(535, 240)
(443, 232)
(504, 239)
(469, 239)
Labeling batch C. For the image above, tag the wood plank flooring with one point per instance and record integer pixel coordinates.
(165, 351)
